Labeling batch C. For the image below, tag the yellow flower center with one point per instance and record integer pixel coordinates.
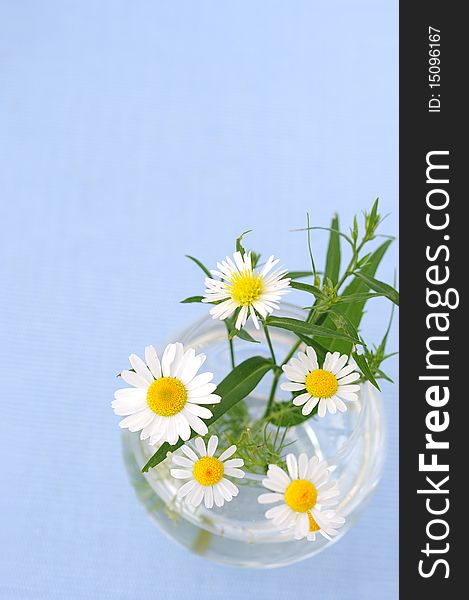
(208, 470)
(301, 495)
(321, 384)
(166, 396)
(246, 287)
(313, 526)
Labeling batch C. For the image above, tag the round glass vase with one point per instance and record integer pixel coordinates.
(238, 533)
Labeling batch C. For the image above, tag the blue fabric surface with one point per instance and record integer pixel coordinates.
(133, 133)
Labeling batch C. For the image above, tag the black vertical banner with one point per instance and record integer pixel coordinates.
(434, 341)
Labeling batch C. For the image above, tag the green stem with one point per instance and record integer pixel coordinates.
(273, 389)
(269, 341)
(310, 318)
(230, 343)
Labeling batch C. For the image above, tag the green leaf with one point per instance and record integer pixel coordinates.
(239, 245)
(243, 334)
(343, 235)
(333, 252)
(354, 310)
(192, 299)
(341, 321)
(286, 414)
(200, 265)
(379, 286)
(305, 328)
(306, 287)
(320, 350)
(237, 385)
(364, 367)
(360, 297)
(299, 274)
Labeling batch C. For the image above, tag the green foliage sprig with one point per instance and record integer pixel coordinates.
(336, 300)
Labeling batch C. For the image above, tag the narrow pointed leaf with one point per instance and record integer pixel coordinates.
(364, 367)
(305, 328)
(192, 299)
(379, 286)
(306, 287)
(333, 252)
(200, 265)
(243, 334)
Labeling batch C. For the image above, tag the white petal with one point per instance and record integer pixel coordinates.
(269, 498)
(230, 486)
(199, 411)
(196, 423)
(200, 446)
(199, 381)
(212, 445)
(186, 488)
(190, 368)
(302, 465)
(311, 352)
(152, 360)
(171, 432)
(345, 371)
(308, 407)
(301, 399)
(189, 453)
(275, 473)
(313, 463)
(197, 495)
(217, 495)
(227, 453)
(234, 472)
(141, 368)
(322, 407)
(291, 386)
(181, 474)
(234, 462)
(242, 317)
(134, 379)
(349, 396)
(275, 511)
(210, 399)
(167, 359)
(182, 461)
(294, 374)
(254, 317)
(299, 366)
(292, 465)
(183, 427)
(349, 378)
(340, 405)
(208, 497)
(130, 405)
(330, 360)
(227, 495)
(137, 421)
(301, 526)
(340, 364)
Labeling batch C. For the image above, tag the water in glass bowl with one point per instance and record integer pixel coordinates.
(238, 533)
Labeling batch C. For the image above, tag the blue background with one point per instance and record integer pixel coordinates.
(133, 133)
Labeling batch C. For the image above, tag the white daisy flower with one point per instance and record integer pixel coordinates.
(165, 400)
(255, 293)
(206, 473)
(306, 495)
(328, 386)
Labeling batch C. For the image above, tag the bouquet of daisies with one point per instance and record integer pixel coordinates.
(206, 427)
